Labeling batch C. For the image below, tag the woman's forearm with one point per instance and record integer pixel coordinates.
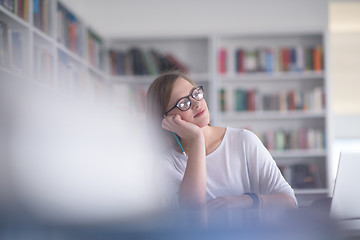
(277, 200)
(193, 186)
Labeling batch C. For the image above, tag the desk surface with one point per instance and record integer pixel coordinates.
(253, 224)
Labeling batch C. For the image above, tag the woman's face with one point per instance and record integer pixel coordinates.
(198, 112)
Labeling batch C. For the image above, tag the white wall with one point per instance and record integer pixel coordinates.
(344, 66)
(115, 19)
(344, 38)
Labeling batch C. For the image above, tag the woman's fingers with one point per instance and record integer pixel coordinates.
(173, 122)
(184, 129)
(168, 123)
(177, 119)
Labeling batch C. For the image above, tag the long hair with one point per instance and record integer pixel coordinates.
(158, 97)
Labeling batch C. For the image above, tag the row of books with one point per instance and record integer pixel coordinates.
(302, 176)
(296, 139)
(95, 52)
(43, 65)
(128, 98)
(18, 7)
(254, 100)
(293, 59)
(69, 30)
(11, 48)
(41, 10)
(136, 61)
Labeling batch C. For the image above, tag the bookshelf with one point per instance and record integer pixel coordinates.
(42, 42)
(51, 47)
(275, 84)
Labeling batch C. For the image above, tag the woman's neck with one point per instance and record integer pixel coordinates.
(213, 137)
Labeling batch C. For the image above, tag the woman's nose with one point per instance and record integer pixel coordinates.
(195, 104)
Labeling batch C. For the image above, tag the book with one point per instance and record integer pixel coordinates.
(300, 59)
(69, 30)
(240, 100)
(269, 61)
(4, 44)
(251, 61)
(222, 96)
(176, 63)
(251, 100)
(95, 52)
(305, 176)
(317, 59)
(16, 50)
(222, 61)
(240, 62)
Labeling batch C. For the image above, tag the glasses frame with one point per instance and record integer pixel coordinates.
(186, 97)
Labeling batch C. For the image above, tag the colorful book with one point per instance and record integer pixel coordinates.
(222, 61)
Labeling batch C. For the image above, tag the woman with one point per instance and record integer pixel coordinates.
(223, 167)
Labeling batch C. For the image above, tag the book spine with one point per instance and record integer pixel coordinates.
(317, 58)
(222, 98)
(222, 58)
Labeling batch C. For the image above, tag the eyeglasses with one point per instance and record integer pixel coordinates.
(185, 103)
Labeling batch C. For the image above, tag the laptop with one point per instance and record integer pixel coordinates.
(345, 205)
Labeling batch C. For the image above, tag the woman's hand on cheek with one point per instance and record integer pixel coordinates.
(184, 129)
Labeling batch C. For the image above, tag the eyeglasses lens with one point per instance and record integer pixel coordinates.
(185, 103)
(198, 94)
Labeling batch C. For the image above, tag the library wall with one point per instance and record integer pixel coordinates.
(159, 18)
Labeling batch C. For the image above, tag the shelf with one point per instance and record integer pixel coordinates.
(276, 76)
(265, 115)
(44, 35)
(308, 153)
(70, 53)
(148, 79)
(81, 60)
(15, 17)
(312, 191)
(95, 70)
(15, 74)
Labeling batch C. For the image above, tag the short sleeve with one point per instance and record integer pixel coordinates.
(263, 169)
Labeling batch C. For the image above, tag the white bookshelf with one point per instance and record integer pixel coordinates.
(35, 42)
(276, 80)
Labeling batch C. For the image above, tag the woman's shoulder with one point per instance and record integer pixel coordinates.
(241, 134)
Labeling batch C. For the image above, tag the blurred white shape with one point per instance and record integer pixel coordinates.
(76, 163)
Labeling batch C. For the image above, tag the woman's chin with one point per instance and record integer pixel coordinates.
(203, 123)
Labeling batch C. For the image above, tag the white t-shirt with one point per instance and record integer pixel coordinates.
(240, 164)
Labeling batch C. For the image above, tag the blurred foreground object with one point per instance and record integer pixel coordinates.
(74, 162)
